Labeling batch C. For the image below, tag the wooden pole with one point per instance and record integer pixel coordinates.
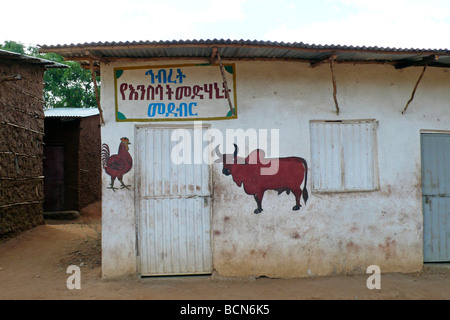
(329, 57)
(424, 62)
(225, 83)
(415, 88)
(23, 128)
(213, 55)
(333, 77)
(11, 78)
(20, 204)
(97, 97)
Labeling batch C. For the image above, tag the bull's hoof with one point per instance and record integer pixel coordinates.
(257, 211)
(295, 208)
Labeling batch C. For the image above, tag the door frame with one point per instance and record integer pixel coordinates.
(137, 192)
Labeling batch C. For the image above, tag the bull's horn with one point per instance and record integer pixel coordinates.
(236, 149)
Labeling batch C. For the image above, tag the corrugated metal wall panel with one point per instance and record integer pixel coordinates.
(326, 156)
(174, 204)
(358, 156)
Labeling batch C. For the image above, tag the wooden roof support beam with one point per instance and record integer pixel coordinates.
(97, 96)
(93, 56)
(212, 59)
(227, 92)
(328, 58)
(424, 62)
(415, 88)
(333, 78)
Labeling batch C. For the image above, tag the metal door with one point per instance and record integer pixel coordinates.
(173, 201)
(436, 196)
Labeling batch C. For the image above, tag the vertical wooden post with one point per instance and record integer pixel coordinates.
(97, 97)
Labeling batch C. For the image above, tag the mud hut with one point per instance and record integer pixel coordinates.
(72, 172)
(21, 133)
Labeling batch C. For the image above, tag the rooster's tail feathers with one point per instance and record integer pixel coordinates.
(105, 154)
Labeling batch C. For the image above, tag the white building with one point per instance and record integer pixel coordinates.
(377, 176)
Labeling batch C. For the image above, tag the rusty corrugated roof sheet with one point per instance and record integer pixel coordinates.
(244, 50)
(4, 54)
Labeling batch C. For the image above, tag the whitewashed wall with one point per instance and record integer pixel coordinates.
(334, 233)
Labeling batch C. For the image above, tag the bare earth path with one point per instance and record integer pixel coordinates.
(33, 266)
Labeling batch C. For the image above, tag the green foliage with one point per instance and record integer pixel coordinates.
(13, 46)
(64, 87)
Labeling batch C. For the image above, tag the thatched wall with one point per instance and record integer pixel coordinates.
(21, 147)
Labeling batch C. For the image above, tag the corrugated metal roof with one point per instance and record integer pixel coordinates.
(242, 50)
(228, 42)
(70, 112)
(30, 59)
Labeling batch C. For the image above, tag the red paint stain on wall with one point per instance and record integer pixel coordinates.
(388, 248)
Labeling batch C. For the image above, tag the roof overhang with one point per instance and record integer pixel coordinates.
(92, 54)
(30, 59)
(70, 112)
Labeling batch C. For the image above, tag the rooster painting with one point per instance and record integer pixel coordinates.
(118, 164)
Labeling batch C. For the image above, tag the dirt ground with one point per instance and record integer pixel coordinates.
(33, 266)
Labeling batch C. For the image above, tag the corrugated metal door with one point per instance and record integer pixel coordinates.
(436, 196)
(173, 202)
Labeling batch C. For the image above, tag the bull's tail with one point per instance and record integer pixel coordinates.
(305, 191)
(105, 154)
